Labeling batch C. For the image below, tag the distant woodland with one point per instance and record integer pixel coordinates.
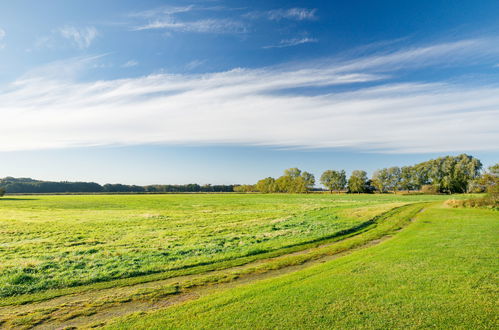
(449, 174)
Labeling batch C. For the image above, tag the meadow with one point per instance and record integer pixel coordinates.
(51, 242)
(440, 272)
(70, 258)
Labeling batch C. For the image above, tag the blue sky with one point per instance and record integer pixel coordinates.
(231, 91)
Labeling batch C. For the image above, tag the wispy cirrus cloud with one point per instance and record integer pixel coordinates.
(297, 14)
(81, 37)
(254, 107)
(165, 10)
(170, 19)
(211, 25)
(176, 19)
(292, 42)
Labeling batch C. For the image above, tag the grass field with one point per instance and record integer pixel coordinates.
(440, 272)
(51, 242)
(80, 260)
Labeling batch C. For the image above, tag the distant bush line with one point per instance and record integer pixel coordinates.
(30, 186)
(449, 174)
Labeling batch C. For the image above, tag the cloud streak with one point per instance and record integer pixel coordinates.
(292, 42)
(255, 107)
(211, 25)
(296, 14)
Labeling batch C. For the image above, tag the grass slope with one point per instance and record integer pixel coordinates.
(440, 272)
(57, 242)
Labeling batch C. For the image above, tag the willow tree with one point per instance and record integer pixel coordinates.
(334, 180)
(357, 182)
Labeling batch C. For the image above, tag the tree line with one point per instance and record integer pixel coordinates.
(449, 174)
(31, 186)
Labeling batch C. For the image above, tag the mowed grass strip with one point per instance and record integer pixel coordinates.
(56, 242)
(440, 272)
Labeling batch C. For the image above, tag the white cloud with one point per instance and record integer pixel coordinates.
(297, 14)
(167, 18)
(252, 107)
(82, 37)
(130, 64)
(292, 42)
(166, 10)
(200, 26)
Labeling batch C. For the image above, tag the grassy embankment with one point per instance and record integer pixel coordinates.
(440, 272)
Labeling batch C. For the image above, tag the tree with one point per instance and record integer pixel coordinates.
(407, 178)
(267, 185)
(292, 181)
(2, 192)
(494, 170)
(244, 188)
(284, 184)
(447, 174)
(334, 180)
(292, 172)
(381, 180)
(357, 181)
(394, 178)
(309, 180)
(489, 181)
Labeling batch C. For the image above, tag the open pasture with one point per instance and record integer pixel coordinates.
(439, 272)
(49, 242)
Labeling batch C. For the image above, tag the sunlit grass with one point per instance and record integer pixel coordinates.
(49, 242)
(440, 272)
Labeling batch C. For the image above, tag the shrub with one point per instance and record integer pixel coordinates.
(489, 201)
(429, 189)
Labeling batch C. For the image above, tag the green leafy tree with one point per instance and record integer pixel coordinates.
(284, 184)
(309, 180)
(2, 192)
(298, 185)
(292, 172)
(489, 181)
(450, 174)
(408, 179)
(357, 182)
(294, 181)
(334, 180)
(267, 185)
(381, 180)
(394, 177)
(244, 188)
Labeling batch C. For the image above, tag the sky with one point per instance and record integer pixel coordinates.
(221, 92)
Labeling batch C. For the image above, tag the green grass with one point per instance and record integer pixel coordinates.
(439, 272)
(90, 299)
(58, 242)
